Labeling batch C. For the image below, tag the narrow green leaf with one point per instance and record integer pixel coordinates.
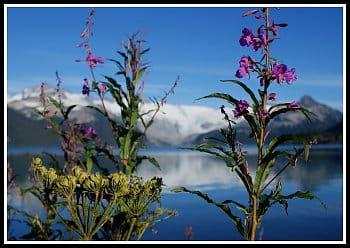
(54, 102)
(89, 164)
(69, 109)
(97, 109)
(229, 162)
(276, 141)
(153, 161)
(263, 171)
(223, 96)
(245, 88)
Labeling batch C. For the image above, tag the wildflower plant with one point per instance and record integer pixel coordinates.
(258, 112)
(113, 205)
(92, 200)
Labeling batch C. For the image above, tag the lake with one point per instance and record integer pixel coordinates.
(306, 219)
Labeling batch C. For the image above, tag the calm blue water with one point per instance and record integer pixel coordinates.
(306, 220)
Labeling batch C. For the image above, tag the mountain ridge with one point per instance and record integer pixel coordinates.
(181, 125)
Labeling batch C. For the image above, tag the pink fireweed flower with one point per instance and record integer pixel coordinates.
(272, 97)
(91, 132)
(274, 28)
(259, 40)
(246, 64)
(281, 74)
(86, 89)
(262, 37)
(293, 105)
(88, 132)
(241, 108)
(101, 87)
(92, 61)
(264, 112)
(247, 37)
(100, 60)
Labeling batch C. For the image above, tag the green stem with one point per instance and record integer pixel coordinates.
(254, 218)
(71, 229)
(272, 179)
(85, 212)
(142, 232)
(133, 221)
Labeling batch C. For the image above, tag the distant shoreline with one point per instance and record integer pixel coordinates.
(13, 150)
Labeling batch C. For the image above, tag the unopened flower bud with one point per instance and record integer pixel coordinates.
(250, 12)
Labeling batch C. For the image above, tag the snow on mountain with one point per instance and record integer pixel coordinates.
(176, 121)
(178, 124)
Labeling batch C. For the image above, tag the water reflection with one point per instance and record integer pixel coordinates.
(205, 172)
(322, 176)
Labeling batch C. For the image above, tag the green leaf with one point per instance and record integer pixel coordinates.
(278, 189)
(306, 151)
(54, 102)
(275, 113)
(55, 163)
(229, 162)
(120, 66)
(282, 139)
(235, 219)
(97, 109)
(151, 160)
(263, 171)
(217, 147)
(234, 202)
(69, 109)
(113, 82)
(249, 91)
(38, 111)
(94, 85)
(254, 127)
(104, 170)
(217, 139)
(89, 164)
(223, 96)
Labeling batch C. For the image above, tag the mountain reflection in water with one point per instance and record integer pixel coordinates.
(307, 220)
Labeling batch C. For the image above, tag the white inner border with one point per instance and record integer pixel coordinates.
(170, 6)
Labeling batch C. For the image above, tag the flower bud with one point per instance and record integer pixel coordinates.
(250, 12)
(80, 174)
(118, 184)
(50, 178)
(282, 25)
(65, 185)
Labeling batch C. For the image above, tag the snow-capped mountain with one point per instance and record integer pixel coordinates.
(175, 125)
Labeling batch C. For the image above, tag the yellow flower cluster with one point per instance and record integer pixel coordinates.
(117, 184)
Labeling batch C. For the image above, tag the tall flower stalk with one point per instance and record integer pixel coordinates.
(127, 134)
(116, 205)
(258, 115)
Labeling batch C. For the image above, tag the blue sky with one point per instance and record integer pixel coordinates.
(198, 44)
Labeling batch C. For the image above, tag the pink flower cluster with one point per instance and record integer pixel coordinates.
(92, 61)
(88, 132)
(282, 74)
(241, 108)
(246, 64)
(248, 38)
